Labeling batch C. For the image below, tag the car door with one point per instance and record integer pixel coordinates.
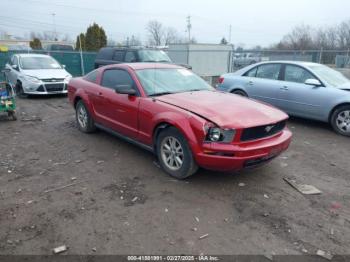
(119, 111)
(299, 98)
(263, 83)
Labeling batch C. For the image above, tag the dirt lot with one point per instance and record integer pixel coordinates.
(122, 203)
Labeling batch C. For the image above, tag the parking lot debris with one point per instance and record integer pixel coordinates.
(94, 249)
(121, 198)
(304, 250)
(324, 254)
(78, 161)
(304, 189)
(33, 119)
(9, 171)
(284, 164)
(166, 210)
(226, 220)
(19, 191)
(60, 249)
(100, 162)
(194, 229)
(134, 199)
(197, 219)
(60, 163)
(204, 236)
(241, 184)
(73, 178)
(62, 187)
(266, 214)
(30, 202)
(266, 196)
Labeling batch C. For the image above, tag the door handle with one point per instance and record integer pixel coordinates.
(251, 83)
(99, 94)
(284, 88)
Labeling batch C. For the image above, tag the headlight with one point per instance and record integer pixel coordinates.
(69, 77)
(217, 134)
(32, 79)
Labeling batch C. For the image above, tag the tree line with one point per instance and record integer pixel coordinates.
(305, 37)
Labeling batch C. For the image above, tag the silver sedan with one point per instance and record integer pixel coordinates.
(302, 89)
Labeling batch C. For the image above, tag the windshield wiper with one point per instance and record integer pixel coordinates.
(161, 94)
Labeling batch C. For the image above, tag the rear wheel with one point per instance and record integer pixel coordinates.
(174, 154)
(240, 93)
(84, 120)
(340, 120)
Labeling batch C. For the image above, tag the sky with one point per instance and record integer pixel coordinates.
(253, 22)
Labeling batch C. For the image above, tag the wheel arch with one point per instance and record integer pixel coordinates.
(335, 108)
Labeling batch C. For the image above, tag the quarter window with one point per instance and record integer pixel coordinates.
(116, 77)
(269, 71)
(251, 72)
(91, 77)
(296, 74)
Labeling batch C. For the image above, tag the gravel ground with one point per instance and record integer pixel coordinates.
(100, 195)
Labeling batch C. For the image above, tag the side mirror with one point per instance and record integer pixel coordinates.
(15, 67)
(63, 66)
(313, 82)
(125, 89)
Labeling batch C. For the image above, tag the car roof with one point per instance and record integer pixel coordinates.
(33, 55)
(302, 63)
(140, 66)
(129, 48)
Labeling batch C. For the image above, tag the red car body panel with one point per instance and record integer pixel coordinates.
(137, 117)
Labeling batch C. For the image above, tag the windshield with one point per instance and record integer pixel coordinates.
(31, 63)
(331, 76)
(153, 56)
(165, 81)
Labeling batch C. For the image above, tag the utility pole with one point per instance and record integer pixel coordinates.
(189, 27)
(229, 34)
(54, 26)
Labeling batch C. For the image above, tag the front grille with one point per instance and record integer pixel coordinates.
(52, 80)
(258, 132)
(54, 87)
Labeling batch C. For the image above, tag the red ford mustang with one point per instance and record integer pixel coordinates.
(172, 112)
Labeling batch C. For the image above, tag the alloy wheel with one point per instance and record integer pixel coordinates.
(172, 153)
(343, 121)
(82, 117)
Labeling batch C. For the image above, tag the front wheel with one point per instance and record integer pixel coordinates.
(340, 120)
(84, 120)
(174, 154)
(19, 90)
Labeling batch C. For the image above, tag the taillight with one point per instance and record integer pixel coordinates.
(221, 80)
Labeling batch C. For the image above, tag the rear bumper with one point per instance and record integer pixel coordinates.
(228, 157)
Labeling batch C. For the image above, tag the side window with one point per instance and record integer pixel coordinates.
(269, 71)
(251, 72)
(130, 56)
(296, 74)
(114, 77)
(14, 60)
(118, 56)
(91, 77)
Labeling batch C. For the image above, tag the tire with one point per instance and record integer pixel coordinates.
(12, 115)
(240, 93)
(19, 90)
(340, 120)
(84, 120)
(181, 150)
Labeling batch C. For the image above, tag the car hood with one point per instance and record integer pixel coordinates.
(345, 86)
(47, 73)
(225, 109)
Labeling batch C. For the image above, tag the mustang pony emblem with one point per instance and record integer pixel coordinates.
(268, 128)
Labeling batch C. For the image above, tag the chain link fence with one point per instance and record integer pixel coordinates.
(208, 63)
